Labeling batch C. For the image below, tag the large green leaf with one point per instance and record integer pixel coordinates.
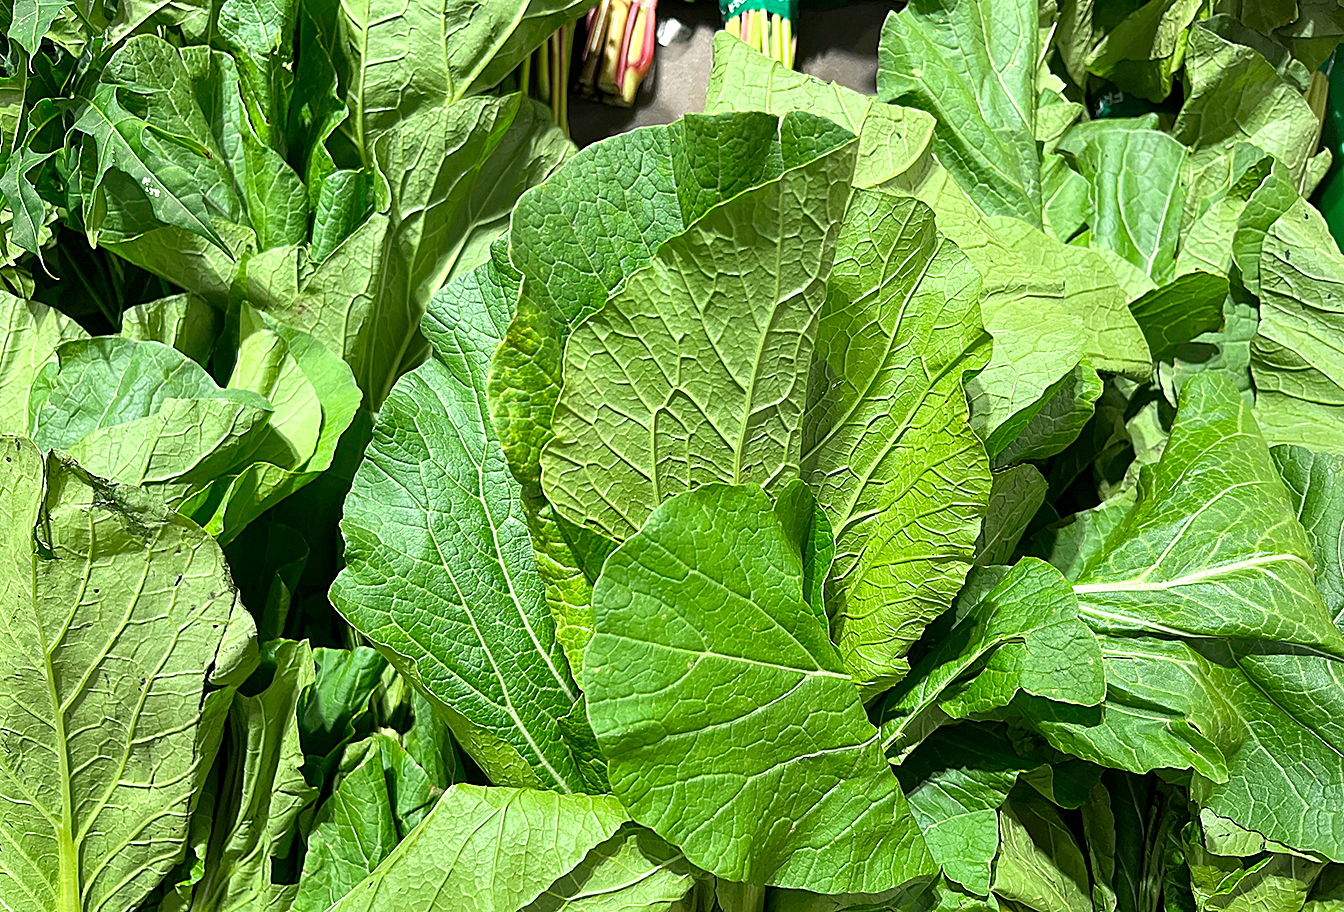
(696, 370)
(1048, 306)
(143, 413)
(1214, 636)
(730, 725)
(886, 442)
(336, 710)
(1328, 893)
(1297, 356)
(1010, 629)
(571, 255)
(1014, 498)
(166, 165)
(1213, 547)
(185, 322)
(601, 245)
(120, 616)
(395, 60)
(892, 139)
(487, 850)
(352, 834)
(1273, 882)
(934, 55)
(1143, 45)
(32, 332)
(439, 569)
(454, 174)
(1179, 312)
(1069, 405)
(1138, 180)
(1235, 96)
(314, 400)
(31, 19)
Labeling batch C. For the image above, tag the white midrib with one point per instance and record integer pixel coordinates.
(1190, 579)
(67, 852)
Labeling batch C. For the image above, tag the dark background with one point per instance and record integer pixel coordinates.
(838, 45)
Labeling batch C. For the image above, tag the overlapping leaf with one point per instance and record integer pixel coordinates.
(886, 429)
(731, 726)
(487, 850)
(695, 371)
(435, 518)
(121, 615)
(1218, 650)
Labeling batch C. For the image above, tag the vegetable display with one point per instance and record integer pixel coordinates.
(824, 502)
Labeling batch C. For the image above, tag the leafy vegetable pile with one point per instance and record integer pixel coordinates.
(825, 502)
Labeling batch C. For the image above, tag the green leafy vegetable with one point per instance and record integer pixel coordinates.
(122, 618)
(679, 619)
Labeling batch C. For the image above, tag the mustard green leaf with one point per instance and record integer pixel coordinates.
(435, 518)
(121, 615)
(487, 850)
(633, 426)
(710, 671)
(887, 445)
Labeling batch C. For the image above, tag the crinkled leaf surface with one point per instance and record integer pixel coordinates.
(440, 571)
(263, 761)
(30, 334)
(633, 871)
(577, 239)
(886, 442)
(352, 834)
(1297, 355)
(1213, 548)
(143, 413)
(934, 55)
(730, 725)
(1235, 96)
(892, 139)
(1015, 631)
(568, 279)
(1215, 641)
(487, 850)
(119, 613)
(696, 370)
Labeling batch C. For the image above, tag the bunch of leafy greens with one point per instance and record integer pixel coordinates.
(222, 224)
(912, 502)
(929, 501)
